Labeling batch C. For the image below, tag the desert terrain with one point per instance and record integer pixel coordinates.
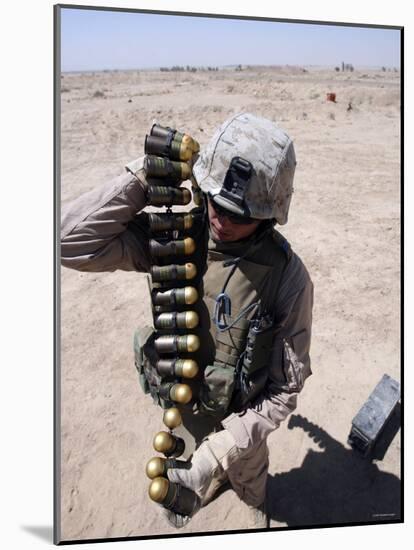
(344, 223)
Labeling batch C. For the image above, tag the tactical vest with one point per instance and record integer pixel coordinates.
(232, 360)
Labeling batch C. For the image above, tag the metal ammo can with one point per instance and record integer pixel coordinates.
(370, 420)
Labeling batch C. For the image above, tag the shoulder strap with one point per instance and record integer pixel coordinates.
(275, 276)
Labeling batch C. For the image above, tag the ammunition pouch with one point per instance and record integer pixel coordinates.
(237, 375)
(145, 358)
(219, 378)
(217, 388)
(258, 346)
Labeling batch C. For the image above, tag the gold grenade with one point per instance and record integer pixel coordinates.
(183, 319)
(186, 368)
(159, 195)
(177, 498)
(170, 445)
(158, 489)
(159, 167)
(188, 343)
(172, 418)
(173, 272)
(176, 296)
(156, 467)
(169, 221)
(179, 393)
(185, 247)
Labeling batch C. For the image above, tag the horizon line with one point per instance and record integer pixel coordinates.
(227, 66)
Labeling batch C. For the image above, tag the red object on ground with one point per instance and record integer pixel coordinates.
(331, 97)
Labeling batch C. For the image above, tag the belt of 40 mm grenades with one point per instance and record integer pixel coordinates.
(173, 293)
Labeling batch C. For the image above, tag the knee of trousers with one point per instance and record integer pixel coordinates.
(219, 478)
(248, 476)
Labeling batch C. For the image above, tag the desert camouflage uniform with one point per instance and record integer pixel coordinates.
(103, 231)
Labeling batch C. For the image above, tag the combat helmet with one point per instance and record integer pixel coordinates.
(248, 168)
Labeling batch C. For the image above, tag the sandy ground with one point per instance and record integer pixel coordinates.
(344, 223)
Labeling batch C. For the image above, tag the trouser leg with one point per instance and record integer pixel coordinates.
(194, 429)
(248, 476)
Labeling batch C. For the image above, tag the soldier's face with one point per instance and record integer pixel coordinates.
(223, 229)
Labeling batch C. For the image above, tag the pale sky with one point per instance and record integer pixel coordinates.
(96, 40)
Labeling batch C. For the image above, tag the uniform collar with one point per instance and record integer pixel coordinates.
(237, 248)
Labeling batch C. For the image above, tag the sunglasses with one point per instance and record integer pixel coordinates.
(233, 218)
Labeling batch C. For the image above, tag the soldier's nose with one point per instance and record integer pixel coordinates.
(224, 221)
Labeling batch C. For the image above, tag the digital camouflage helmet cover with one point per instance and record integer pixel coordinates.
(269, 153)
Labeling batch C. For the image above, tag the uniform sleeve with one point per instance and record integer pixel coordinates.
(289, 362)
(100, 230)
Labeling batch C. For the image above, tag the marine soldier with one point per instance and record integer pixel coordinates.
(255, 310)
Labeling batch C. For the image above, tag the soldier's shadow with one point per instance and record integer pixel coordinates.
(336, 485)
